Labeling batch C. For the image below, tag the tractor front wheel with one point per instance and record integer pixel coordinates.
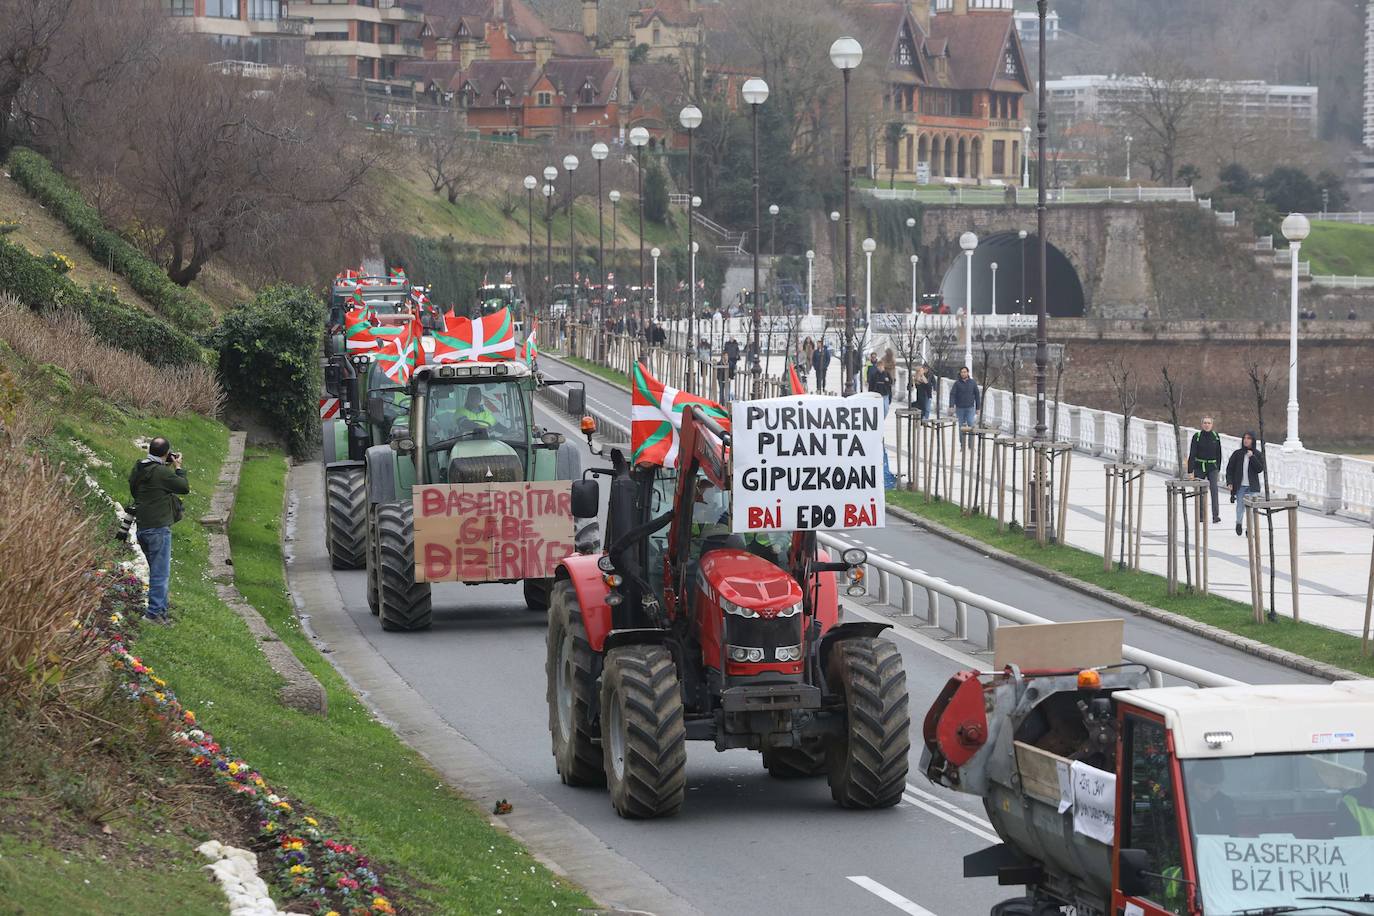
(537, 593)
(868, 765)
(569, 668)
(404, 604)
(346, 517)
(643, 733)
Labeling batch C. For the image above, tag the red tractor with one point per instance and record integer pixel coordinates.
(682, 630)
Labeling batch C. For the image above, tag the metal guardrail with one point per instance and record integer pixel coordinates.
(997, 614)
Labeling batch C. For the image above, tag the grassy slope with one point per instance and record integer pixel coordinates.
(477, 219)
(1340, 248)
(1305, 639)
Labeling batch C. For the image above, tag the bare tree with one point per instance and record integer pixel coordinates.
(450, 162)
(1162, 111)
(1262, 383)
(910, 342)
(29, 30)
(1127, 389)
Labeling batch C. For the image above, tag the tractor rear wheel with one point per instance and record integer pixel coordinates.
(370, 548)
(537, 592)
(868, 765)
(404, 604)
(794, 762)
(346, 517)
(569, 669)
(643, 732)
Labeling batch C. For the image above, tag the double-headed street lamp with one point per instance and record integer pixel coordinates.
(755, 92)
(690, 119)
(570, 164)
(968, 242)
(639, 138)
(530, 183)
(1295, 228)
(846, 54)
(599, 152)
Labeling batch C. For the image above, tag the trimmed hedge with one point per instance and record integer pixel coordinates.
(36, 175)
(269, 361)
(39, 287)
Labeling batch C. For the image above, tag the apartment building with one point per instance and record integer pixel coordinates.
(360, 39)
(249, 33)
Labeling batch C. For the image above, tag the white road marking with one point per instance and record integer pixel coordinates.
(948, 806)
(887, 894)
(950, 818)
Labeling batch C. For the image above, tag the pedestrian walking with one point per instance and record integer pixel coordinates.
(155, 485)
(820, 361)
(703, 350)
(1243, 474)
(924, 390)
(889, 366)
(809, 357)
(1204, 460)
(732, 355)
(965, 398)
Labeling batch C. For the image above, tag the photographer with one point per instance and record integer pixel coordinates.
(156, 484)
(1243, 474)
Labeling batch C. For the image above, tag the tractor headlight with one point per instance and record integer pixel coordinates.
(792, 611)
(613, 599)
(854, 556)
(501, 370)
(856, 591)
(730, 607)
(789, 653)
(745, 653)
(605, 564)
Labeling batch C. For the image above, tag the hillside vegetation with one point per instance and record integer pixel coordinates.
(1340, 248)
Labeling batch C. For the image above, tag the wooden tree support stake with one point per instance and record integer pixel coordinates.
(1188, 505)
(1257, 507)
(1125, 508)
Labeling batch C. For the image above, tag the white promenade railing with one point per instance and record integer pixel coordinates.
(941, 595)
(1341, 282)
(1359, 218)
(963, 194)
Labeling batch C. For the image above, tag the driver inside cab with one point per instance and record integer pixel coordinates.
(474, 413)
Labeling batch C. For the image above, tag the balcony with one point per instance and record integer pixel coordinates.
(285, 27)
(1004, 124)
(406, 47)
(401, 10)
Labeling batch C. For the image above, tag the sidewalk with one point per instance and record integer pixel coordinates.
(1334, 552)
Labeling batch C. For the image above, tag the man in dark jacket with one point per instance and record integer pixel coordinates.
(1243, 474)
(1204, 460)
(965, 398)
(820, 361)
(156, 484)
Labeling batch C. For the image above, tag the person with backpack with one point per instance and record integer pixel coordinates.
(1243, 474)
(156, 485)
(1204, 460)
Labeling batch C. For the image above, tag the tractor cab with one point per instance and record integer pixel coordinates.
(493, 297)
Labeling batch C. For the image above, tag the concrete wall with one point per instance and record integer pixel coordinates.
(1335, 372)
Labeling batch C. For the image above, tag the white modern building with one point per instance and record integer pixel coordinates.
(1028, 27)
(1074, 99)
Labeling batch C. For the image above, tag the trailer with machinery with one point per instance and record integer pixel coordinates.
(1115, 797)
(680, 629)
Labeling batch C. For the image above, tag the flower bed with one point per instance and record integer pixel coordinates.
(315, 870)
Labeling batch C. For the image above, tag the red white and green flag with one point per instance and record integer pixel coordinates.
(489, 338)
(656, 418)
(402, 353)
(358, 332)
(529, 352)
(798, 387)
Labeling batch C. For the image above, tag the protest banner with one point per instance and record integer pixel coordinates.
(478, 532)
(1094, 802)
(1240, 873)
(807, 462)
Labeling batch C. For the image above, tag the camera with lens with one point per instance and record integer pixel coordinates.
(126, 524)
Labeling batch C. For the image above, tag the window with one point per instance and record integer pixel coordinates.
(468, 96)
(367, 31)
(330, 65)
(999, 157)
(503, 94)
(904, 53)
(179, 7)
(222, 9)
(331, 36)
(1150, 821)
(544, 99)
(264, 9)
(587, 94)
(386, 34)
(658, 35)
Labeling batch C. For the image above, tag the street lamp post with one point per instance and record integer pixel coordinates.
(615, 232)
(690, 119)
(1025, 156)
(639, 138)
(869, 247)
(968, 242)
(530, 183)
(810, 266)
(1022, 236)
(994, 289)
(570, 164)
(548, 249)
(1295, 228)
(655, 253)
(1129, 138)
(1042, 125)
(692, 300)
(755, 92)
(846, 54)
(915, 259)
(599, 152)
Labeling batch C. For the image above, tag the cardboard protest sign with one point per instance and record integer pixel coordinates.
(807, 462)
(479, 532)
(1094, 801)
(1238, 873)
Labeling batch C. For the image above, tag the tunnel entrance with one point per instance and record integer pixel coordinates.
(1006, 250)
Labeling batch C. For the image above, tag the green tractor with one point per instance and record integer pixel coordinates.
(470, 422)
(347, 436)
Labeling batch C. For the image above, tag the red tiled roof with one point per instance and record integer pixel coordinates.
(571, 43)
(878, 26)
(522, 22)
(976, 42)
(657, 81)
(570, 74)
(486, 76)
(439, 72)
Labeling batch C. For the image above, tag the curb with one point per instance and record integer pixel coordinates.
(1207, 631)
(301, 691)
(1215, 634)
